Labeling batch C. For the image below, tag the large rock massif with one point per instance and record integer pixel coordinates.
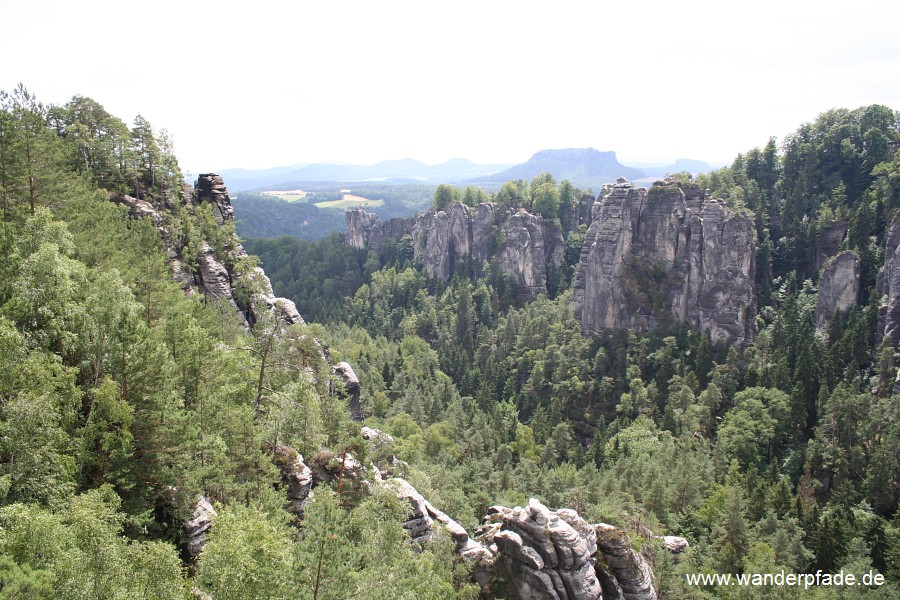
(523, 244)
(213, 272)
(648, 256)
(652, 255)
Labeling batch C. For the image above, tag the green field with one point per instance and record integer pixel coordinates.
(349, 201)
(288, 195)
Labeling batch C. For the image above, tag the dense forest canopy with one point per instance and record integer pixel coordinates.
(121, 399)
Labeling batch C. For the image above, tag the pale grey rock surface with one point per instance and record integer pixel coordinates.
(196, 529)
(296, 476)
(522, 243)
(351, 385)
(828, 242)
(648, 257)
(541, 553)
(888, 286)
(632, 574)
(838, 287)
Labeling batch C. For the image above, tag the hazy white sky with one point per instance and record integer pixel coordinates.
(259, 84)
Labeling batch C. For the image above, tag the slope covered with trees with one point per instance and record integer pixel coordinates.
(121, 399)
(782, 454)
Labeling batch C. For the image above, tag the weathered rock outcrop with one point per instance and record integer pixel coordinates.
(213, 272)
(522, 243)
(296, 477)
(351, 385)
(838, 287)
(196, 529)
(541, 553)
(534, 553)
(367, 230)
(647, 258)
(828, 242)
(631, 576)
(888, 286)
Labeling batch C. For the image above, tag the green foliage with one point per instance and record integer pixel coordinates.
(120, 399)
(262, 216)
(80, 553)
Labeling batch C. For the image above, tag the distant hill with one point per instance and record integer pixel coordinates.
(407, 169)
(692, 166)
(581, 166)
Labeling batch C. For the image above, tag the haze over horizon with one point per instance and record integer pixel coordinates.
(493, 83)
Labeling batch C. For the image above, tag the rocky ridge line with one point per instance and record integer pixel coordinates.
(213, 275)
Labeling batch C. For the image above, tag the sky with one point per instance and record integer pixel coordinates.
(263, 84)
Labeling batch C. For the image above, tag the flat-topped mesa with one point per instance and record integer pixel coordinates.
(650, 256)
(523, 244)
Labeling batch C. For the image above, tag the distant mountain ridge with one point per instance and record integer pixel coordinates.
(452, 171)
(586, 167)
(581, 166)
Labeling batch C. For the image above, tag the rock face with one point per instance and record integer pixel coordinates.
(196, 528)
(838, 287)
(648, 257)
(631, 576)
(888, 286)
(296, 477)
(540, 553)
(828, 242)
(213, 273)
(366, 230)
(521, 243)
(543, 554)
(351, 385)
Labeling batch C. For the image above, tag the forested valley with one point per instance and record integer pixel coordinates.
(123, 398)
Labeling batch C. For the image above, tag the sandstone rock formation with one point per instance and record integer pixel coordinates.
(296, 477)
(543, 554)
(366, 230)
(888, 286)
(828, 242)
(648, 257)
(196, 529)
(351, 385)
(534, 553)
(213, 273)
(521, 243)
(632, 578)
(838, 287)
